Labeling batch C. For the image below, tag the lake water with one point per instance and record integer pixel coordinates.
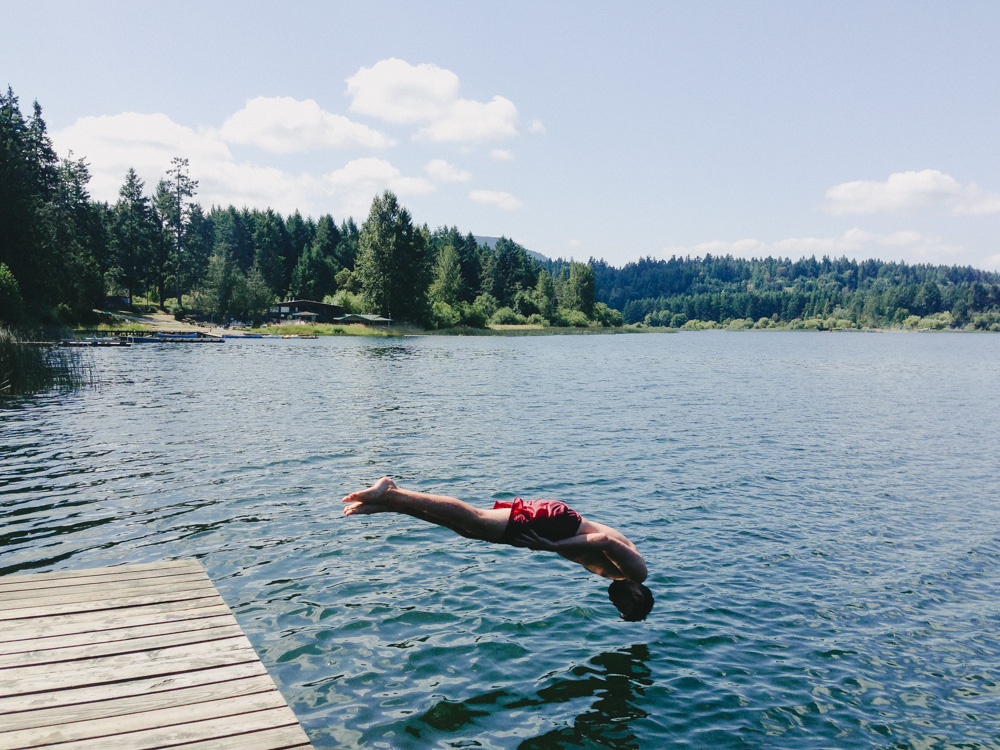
(819, 514)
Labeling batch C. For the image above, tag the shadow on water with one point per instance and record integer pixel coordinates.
(389, 352)
(615, 680)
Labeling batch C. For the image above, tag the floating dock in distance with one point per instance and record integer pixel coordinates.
(95, 342)
(132, 658)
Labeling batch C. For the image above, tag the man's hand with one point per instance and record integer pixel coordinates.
(532, 541)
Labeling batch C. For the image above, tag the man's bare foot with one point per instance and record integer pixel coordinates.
(372, 500)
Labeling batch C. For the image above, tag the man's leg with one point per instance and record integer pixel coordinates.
(385, 497)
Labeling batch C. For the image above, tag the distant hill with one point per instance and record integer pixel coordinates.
(491, 243)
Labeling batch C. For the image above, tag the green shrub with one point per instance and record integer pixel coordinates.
(606, 316)
(472, 316)
(699, 325)
(571, 318)
(444, 315)
(506, 317)
(487, 303)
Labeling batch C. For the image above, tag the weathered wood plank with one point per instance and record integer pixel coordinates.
(53, 656)
(98, 635)
(50, 588)
(105, 669)
(109, 571)
(137, 657)
(209, 731)
(284, 738)
(100, 592)
(87, 622)
(129, 688)
(37, 610)
(121, 706)
(138, 577)
(165, 720)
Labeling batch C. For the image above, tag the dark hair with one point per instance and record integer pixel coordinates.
(632, 609)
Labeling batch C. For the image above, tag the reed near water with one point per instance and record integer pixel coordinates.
(27, 367)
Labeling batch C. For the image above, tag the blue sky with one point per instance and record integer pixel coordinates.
(579, 129)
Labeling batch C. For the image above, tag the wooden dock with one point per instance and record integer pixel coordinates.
(132, 657)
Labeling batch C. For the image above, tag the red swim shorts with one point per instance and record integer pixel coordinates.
(550, 519)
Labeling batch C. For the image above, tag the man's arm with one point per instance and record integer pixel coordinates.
(595, 551)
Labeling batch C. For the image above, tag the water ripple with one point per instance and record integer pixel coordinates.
(818, 514)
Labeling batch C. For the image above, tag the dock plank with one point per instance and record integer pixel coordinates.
(132, 657)
(47, 589)
(130, 688)
(107, 621)
(94, 637)
(52, 656)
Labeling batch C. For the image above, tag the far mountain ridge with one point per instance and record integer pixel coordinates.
(491, 243)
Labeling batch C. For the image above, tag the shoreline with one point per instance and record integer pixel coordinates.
(164, 321)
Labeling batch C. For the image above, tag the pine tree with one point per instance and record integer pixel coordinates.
(393, 261)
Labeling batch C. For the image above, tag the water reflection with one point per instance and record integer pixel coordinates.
(618, 681)
(615, 680)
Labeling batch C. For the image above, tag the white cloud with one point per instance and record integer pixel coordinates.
(506, 201)
(468, 121)
(537, 127)
(502, 154)
(907, 192)
(856, 244)
(111, 144)
(991, 263)
(396, 91)
(358, 181)
(442, 171)
(285, 125)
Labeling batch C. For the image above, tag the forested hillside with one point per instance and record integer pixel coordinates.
(63, 254)
(829, 293)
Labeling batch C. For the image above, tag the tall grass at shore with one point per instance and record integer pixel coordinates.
(27, 367)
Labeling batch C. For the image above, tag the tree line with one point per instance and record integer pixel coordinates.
(808, 293)
(62, 253)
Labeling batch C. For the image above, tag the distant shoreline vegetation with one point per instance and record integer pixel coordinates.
(64, 255)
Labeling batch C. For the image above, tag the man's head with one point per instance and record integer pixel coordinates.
(633, 600)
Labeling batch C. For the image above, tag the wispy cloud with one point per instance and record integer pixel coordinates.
(909, 192)
(442, 171)
(359, 180)
(396, 91)
(114, 143)
(506, 201)
(285, 125)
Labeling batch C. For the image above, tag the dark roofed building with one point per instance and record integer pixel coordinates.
(305, 309)
(365, 318)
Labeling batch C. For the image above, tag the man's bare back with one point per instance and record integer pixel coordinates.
(598, 548)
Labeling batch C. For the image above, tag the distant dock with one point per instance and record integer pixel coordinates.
(127, 337)
(132, 657)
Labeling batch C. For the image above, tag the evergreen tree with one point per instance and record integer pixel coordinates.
(447, 277)
(133, 234)
(182, 189)
(393, 261)
(270, 242)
